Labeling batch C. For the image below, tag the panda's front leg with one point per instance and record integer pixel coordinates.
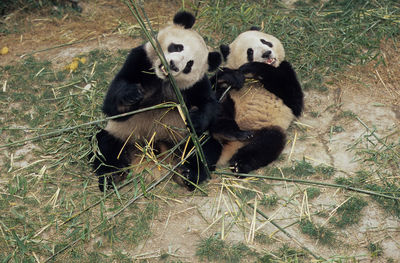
(258, 70)
(227, 78)
(122, 97)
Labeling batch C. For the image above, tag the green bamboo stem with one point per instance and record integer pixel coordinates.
(346, 187)
(60, 131)
(156, 45)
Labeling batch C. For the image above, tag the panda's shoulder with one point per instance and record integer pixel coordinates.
(139, 56)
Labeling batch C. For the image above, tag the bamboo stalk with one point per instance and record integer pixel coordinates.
(346, 187)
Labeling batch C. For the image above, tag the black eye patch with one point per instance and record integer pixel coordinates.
(250, 56)
(188, 67)
(175, 48)
(266, 43)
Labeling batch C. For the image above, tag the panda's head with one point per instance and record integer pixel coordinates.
(185, 52)
(253, 46)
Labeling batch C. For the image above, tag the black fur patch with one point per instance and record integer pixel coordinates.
(175, 48)
(266, 54)
(172, 66)
(214, 60)
(184, 19)
(188, 67)
(108, 167)
(255, 28)
(266, 43)
(250, 55)
(225, 51)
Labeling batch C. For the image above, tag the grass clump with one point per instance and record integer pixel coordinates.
(215, 249)
(303, 169)
(349, 213)
(269, 200)
(322, 234)
(327, 171)
(375, 249)
(289, 254)
(390, 205)
(313, 192)
(285, 254)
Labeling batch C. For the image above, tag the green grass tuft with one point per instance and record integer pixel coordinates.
(214, 249)
(313, 192)
(375, 249)
(349, 213)
(303, 169)
(322, 234)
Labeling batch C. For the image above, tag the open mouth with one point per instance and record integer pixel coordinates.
(271, 61)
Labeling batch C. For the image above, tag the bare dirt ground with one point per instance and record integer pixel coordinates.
(371, 92)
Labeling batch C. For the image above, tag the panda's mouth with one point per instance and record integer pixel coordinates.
(163, 70)
(271, 61)
(173, 69)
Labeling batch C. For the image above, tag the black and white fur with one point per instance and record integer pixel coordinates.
(264, 98)
(143, 82)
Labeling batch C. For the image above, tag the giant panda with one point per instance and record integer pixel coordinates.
(142, 82)
(264, 97)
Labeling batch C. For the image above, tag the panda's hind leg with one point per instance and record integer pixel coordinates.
(109, 165)
(264, 148)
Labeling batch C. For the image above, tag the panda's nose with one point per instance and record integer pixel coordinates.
(172, 66)
(266, 54)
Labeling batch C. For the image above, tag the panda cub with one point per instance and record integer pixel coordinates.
(142, 82)
(264, 98)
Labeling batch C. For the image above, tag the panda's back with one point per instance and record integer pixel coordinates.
(257, 108)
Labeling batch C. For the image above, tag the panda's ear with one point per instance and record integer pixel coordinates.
(255, 28)
(184, 19)
(224, 50)
(214, 60)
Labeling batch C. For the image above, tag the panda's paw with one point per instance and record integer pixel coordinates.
(232, 78)
(240, 167)
(131, 96)
(185, 179)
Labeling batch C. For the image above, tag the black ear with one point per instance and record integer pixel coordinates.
(225, 51)
(214, 60)
(256, 28)
(184, 19)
